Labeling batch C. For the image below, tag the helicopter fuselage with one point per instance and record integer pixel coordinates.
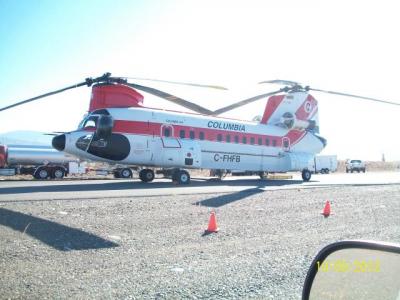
(152, 137)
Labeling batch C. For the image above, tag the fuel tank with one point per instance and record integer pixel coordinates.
(33, 155)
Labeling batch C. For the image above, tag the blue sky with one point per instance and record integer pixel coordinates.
(335, 45)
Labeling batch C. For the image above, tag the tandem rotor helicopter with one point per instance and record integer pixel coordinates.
(119, 129)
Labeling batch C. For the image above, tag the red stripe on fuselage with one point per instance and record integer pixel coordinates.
(210, 134)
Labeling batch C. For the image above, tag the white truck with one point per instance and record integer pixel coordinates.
(323, 164)
(41, 162)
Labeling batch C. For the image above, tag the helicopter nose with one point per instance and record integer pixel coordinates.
(59, 142)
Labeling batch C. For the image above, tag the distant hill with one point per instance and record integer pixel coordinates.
(25, 137)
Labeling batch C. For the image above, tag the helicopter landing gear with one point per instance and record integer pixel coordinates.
(306, 175)
(181, 177)
(146, 175)
(263, 175)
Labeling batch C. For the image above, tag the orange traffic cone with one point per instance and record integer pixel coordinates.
(212, 224)
(327, 209)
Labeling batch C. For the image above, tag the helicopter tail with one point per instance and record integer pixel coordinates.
(296, 110)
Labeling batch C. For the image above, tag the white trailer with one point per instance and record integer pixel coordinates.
(323, 164)
(39, 161)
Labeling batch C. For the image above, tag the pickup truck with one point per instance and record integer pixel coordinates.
(355, 165)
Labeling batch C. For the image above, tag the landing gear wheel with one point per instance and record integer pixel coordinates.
(322, 171)
(58, 173)
(146, 175)
(263, 175)
(326, 171)
(126, 173)
(181, 177)
(41, 173)
(306, 175)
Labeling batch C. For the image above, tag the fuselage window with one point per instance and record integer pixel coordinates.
(252, 140)
(260, 141)
(201, 135)
(244, 140)
(274, 143)
(167, 132)
(191, 134)
(228, 138)
(219, 137)
(267, 142)
(182, 134)
(236, 139)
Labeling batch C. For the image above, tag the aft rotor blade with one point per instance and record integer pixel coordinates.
(355, 96)
(181, 83)
(246, 101)
(279, 81)
(171, 98)
(44, 95)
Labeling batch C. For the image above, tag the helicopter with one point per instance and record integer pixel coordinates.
(119, 129)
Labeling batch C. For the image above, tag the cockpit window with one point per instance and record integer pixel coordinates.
(89, 122)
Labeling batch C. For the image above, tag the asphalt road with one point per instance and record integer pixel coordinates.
(80, 189)
(123, 239)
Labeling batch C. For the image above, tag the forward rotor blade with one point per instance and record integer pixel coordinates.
(171, 98)
(181, 83)
(355, 96)
(246, 101)
(88, 82)
(44, 95)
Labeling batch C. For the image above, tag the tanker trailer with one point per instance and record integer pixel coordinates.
(39, 161)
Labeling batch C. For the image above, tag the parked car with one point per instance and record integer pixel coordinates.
(355, 165)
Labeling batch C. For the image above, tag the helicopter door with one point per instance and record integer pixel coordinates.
(171, 147)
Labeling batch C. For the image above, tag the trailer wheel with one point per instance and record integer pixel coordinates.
(306, 175)
(125, 173)
(58, 173)
(146, 175)
(41, 173)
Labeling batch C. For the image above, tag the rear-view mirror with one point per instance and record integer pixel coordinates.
(355, 270)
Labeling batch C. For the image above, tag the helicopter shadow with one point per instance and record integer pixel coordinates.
(53, 234)
(225, 199)
(229, 198)
(132, 185)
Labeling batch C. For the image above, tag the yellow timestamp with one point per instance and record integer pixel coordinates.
(355, 266)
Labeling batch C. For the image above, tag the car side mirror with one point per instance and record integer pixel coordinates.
(354, 270)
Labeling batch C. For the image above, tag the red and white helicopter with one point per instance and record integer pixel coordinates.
(120, 130)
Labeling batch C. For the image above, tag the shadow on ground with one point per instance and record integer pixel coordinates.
(229, 198)
(54, 234)
(129, 185)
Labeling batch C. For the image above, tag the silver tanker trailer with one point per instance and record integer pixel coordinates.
(39, 161)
